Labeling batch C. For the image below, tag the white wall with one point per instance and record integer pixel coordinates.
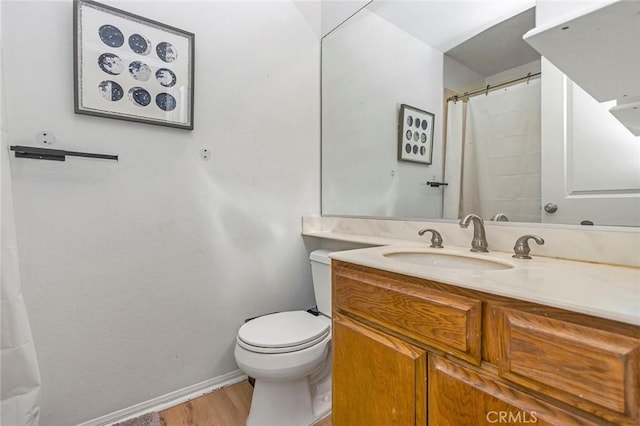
(513, 73)
(370, 68)
(459, 78)
(138, 273)
(335, 12)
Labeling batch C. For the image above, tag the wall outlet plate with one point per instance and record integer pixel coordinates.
(205, 154)
(45, 137)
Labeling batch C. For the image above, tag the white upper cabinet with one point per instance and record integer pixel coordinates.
(597, 45)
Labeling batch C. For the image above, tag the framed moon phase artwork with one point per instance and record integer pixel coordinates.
(415, 135)
(131, 68)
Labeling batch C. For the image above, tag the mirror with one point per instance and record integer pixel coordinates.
(419, 54)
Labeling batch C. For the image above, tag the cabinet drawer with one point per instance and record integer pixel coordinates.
(595, 370)
(447, 322)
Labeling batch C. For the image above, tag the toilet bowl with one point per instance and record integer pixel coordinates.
(289, 356)
(296, 354)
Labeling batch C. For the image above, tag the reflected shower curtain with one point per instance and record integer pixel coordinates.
(501, 154)
(456, 114)
(19, 373)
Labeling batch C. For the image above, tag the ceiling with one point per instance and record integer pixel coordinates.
(444, 24)
(484, 35)
(498, 48)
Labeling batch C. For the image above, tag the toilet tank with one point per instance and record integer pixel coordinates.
(321, 274)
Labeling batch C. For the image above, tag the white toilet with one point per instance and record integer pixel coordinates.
(289, 356)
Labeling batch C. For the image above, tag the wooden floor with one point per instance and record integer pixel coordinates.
(228, 406)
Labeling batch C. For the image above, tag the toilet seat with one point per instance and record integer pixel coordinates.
(283, 332)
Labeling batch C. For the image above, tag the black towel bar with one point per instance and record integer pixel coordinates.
(54, 154)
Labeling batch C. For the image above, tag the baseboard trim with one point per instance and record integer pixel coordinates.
(169, 400)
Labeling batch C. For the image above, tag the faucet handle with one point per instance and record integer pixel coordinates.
(436, 238)
(521, 249)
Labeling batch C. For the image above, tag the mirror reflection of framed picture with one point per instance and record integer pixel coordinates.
(415, 135)
(131, 68)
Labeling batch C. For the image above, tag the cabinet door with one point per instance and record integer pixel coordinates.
(377, 378)
(465, 396)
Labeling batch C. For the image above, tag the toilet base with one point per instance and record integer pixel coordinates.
(272, 401)
(321, 397)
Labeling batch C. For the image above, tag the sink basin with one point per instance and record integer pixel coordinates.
(448, 260)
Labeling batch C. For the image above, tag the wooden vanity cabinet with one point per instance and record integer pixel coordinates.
(481, 359)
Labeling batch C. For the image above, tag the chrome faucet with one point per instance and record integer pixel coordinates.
(479, 242)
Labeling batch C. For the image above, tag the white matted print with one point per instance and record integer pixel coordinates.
(132, 68)
(415, 135)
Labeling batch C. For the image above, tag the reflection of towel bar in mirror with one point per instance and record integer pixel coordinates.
(54, 154)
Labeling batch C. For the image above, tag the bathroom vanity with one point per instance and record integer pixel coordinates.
(474, 348)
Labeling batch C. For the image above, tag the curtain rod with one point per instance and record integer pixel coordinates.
(485, 90)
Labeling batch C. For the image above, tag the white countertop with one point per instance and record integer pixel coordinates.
(601, 290)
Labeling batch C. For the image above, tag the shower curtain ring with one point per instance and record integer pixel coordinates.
(528, 77)
(487, 92)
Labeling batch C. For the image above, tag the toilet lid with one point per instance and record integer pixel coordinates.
(283, 332)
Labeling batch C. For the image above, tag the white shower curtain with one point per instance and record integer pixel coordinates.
(501, 154)
(19, 373)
